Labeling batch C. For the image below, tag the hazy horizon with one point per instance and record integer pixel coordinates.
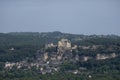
(100, 17)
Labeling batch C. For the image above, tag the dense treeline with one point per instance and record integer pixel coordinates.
(28, 75)
(19, 53)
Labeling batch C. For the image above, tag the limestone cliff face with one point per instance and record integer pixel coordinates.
(63, 52)
(105, 56)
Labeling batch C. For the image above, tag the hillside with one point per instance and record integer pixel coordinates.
(92, 57)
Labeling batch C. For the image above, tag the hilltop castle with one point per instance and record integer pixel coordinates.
(56, 53)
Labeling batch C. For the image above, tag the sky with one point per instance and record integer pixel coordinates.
(69, 16)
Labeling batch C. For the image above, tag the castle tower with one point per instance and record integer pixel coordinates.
(64, 45)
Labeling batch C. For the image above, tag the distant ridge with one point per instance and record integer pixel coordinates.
(57, 33)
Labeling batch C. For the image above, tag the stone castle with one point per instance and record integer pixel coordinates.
(57, 52)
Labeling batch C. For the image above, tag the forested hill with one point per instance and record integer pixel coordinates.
(18, 47)
(27, 43)
(39, 39)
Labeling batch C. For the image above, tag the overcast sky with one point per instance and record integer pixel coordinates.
(70, 16)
